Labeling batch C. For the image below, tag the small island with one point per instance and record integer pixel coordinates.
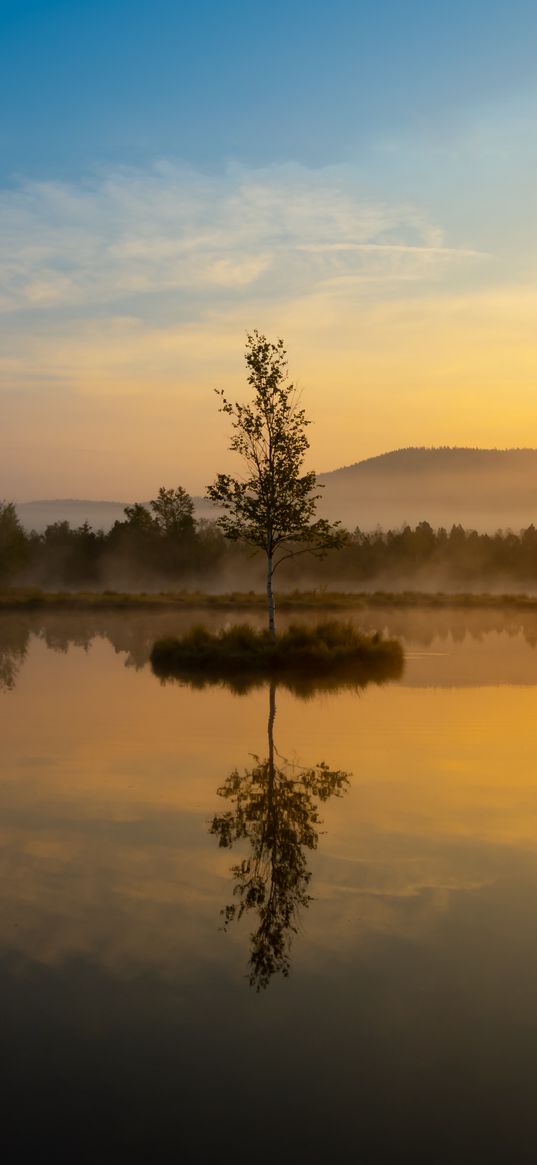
(330, 652)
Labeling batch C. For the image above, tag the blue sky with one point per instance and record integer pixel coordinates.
(85, 83)
(357, 177)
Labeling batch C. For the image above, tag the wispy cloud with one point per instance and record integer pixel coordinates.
(124, 299)
(128, 234)
(395, 248)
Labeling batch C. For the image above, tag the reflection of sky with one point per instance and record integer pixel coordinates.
(412, 986)
(109, 781)
(359, 180)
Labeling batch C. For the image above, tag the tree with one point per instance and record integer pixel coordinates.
(73, 555)
(138, 519)
(173, 512)
(14, 545)
(272, 506)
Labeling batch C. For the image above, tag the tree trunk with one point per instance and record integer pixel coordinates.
(270, 599)
(270, 726)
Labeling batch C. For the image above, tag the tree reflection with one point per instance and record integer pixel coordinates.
(14, 639)
(274, 808)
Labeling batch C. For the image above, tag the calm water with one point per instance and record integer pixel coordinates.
(376, 1001)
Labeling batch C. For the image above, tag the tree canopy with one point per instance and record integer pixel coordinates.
(272, 506)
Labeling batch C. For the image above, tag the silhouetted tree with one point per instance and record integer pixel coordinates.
(173, 519)
(71, 556)
(13, 542)
(275, 809)
(134, 543)
(173, 512)
(272, 507)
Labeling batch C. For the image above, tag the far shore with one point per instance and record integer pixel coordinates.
(31, 599)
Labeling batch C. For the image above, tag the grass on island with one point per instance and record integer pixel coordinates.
(29, 599)
(301, 657)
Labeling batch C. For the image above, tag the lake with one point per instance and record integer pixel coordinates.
(371, 992)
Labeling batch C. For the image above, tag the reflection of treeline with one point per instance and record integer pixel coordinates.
(130, 637)
(163, 543)
(133, 634)
(14, 639)
(424, 626)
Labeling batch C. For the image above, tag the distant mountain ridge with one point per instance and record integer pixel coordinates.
(36, 515)
(483, 489)
(421, 457)
(101, 515)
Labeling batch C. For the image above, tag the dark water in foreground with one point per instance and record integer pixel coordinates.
(397, 887)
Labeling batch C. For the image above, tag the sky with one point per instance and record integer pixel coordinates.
(358, 178)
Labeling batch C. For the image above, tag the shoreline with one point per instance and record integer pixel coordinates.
(26, 599)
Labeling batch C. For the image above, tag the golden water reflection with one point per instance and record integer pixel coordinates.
(108, 784)
(413, 974)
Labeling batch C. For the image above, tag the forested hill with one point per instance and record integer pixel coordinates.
(480, 488)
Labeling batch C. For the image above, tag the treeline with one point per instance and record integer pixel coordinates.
(458, 556)
(162, 545)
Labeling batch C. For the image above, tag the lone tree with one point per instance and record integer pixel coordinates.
(272, 506)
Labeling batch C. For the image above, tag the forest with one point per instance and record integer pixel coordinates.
(162, 545)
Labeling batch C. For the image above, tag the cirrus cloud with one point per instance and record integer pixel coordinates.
(128, 234)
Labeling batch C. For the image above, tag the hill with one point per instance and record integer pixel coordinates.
(485, 489)
(37, 515)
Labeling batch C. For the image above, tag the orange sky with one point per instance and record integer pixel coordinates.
(139, 412)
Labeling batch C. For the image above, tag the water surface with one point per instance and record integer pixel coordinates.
(401, 1020)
